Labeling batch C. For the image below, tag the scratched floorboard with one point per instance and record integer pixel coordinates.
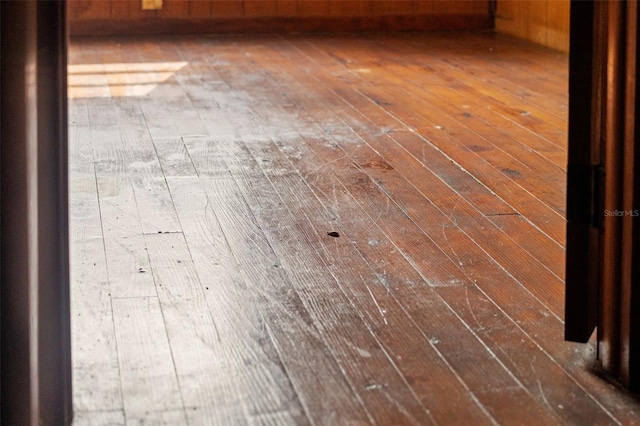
(323, 230)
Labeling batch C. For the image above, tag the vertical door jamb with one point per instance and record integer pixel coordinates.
(582, 176)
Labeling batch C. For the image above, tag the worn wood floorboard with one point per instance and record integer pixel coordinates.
(418, 205)
(230, 346)
(248, 378)
(349, 337)
(388, 309)
(98, 418)
(153, 201)
(95, 363)
(96, 372)
(149, 381)
(325, 229)
(492, 168)
(532, 377)
(127, 259)
(294, 328)
(505, 300)
(345, 276)
(475, 193)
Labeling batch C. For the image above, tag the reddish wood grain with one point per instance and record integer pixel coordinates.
(318, 224)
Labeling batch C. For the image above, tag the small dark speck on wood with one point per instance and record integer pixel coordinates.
(333, 234)
(511, 172)
(378, 165)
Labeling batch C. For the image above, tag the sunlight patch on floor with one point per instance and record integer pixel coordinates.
(118, 79)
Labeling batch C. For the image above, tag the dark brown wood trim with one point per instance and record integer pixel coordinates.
(580, 303)
(611, 133)
(19, 272)
(155, 26)
(36, 358)
(54, 329)
(634, 322)
(608, 139)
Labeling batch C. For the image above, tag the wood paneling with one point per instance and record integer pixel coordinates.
(543, 21)
(259, 8)
(200, 8)
(131, 9)
(351, 8)
(397, 7)
(222, 9)
(88, 9)
(113, 17)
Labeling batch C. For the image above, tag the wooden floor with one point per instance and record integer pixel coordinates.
(326, 230)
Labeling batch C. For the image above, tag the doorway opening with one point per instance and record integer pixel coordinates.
(375, 210)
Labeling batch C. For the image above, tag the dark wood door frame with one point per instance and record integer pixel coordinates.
(603, 190)
(34, 299)
(582, 169)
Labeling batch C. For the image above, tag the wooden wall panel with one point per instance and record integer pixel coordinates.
(536, 21)
(88, 9)
(286, 7)
(351, 8)
(260, 8)
(509, 18)
(200, 8)
(114, 17)
(130, 9)
(456, 7)
(558, 26)
(543, 21)
(313, 8)
(482, 7)
(398, 7)
(126, 9)
(424, 6)
(176, 8)
(225, 8)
